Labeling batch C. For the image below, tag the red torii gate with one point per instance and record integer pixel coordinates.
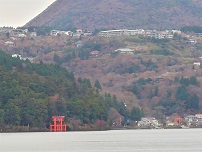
(58, 124)
(177, 120)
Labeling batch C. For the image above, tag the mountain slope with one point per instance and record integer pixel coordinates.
(32, 93)
(97, 14)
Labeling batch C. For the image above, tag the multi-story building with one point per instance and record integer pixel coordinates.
(121, 32)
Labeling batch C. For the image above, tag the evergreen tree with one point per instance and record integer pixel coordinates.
(12, 114)
(156, 91)
(80, 80)
(136, 114)
(181, 93)
(194, 81)
(193, 102)
(97, 85)
(169, 94)
(57, 59)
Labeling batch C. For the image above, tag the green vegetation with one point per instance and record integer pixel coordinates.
(169, 107)
(146, 89)
(97, 84)
(158, 41)
(32, 93)
(40, 30)
(195, 29)
(191, 101)
(158, 76)
(181, 93)
(189, 81)
(138, 86)
(161, 52)
(7, 62)
(126, 68)
(26, 91)
(136, 114)
(150, 65)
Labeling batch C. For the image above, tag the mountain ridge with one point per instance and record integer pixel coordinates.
(115, 14)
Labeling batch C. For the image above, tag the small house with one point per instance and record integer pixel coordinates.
(17, 56)
(149, 122)
(124, 50)
(197, 63)
(69, 33)
(198, 116)
(88, 34)
(190, 118)
(54, 32)
(28, 58)
(79, 31)
(21, 35)
(94, 54)
(9, 43)
(192, 41)
(33, 34)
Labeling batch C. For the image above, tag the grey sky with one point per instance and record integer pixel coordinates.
(19, 12)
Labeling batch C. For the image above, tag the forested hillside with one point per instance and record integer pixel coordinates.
(116, 14)
(156, 78)
(30, 94)
(159, 76)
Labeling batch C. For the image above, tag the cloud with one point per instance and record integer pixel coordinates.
(19, 12)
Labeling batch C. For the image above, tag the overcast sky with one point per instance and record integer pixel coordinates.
(18, 12)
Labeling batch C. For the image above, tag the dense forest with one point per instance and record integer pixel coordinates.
(30, 94)
(183, 100)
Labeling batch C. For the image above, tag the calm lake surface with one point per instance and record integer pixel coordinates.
(162, 140)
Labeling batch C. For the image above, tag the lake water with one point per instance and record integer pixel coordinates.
(162, 140)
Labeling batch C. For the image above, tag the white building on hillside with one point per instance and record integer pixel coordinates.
(9, 43)
(124, 50)
(198, 116)
(17, 56)
(120, 32)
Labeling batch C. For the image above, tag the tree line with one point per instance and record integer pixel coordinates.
(32, 93)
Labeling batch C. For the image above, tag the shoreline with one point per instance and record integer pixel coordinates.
(44, 130)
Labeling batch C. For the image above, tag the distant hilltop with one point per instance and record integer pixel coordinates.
(118, 14)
